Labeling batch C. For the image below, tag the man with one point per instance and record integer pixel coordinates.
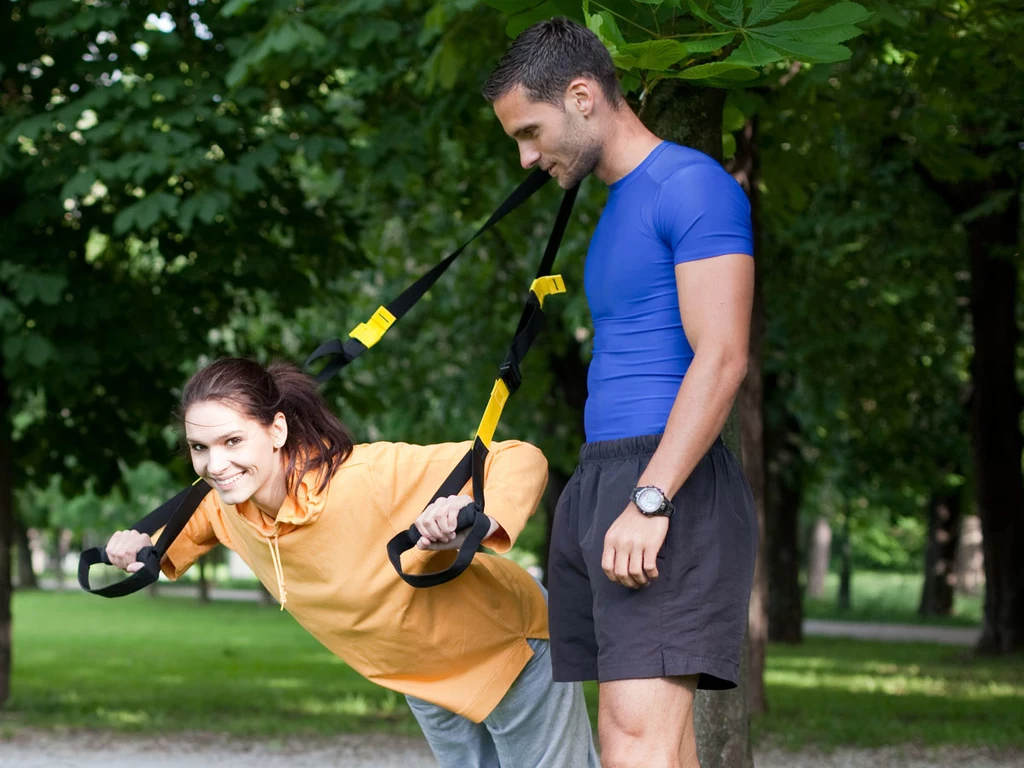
(654, 538)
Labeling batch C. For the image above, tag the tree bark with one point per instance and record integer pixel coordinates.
(685, 114)
(204, 584)
(940, 555)
(995, 403)
(846, 567)
(782, 515)
(970, 562)
(745, 168)
(819, 557)
(995, 421)
(6, 514)
(26, 575)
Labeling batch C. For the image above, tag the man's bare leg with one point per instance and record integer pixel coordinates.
(647, 723)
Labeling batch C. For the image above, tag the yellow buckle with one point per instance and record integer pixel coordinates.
(492, 413)
(544, 286)
(370, 332)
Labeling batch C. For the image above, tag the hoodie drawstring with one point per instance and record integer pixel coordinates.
(275, 555)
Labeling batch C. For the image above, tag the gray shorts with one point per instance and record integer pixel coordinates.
(691, 620)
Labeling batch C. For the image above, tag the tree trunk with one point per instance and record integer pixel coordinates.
(846, 569)
(745, 168)
(996, 403)
(26, 575)
(940, 555)
(995, 422)
(59, 547)
(722, 718)
(6, 514)
(204, 584)
(970, 563)
(557, 480)
(685, 114)
(782, 516)
(819, 557)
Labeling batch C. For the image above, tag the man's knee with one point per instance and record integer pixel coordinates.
(646, 723)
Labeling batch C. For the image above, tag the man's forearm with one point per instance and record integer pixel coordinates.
(696, 419)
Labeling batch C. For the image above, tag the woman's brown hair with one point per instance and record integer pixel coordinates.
(317, 440)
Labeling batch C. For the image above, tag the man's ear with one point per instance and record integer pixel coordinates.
(580, 96)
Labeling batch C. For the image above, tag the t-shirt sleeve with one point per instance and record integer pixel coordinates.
(702, 211)
(195, 540)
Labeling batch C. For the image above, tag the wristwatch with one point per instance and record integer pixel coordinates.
(651, 502)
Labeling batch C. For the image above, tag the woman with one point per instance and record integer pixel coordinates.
(311, 514)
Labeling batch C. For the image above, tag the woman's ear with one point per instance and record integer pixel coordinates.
(279, 431)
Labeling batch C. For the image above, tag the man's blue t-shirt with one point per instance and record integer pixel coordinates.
(677, 205)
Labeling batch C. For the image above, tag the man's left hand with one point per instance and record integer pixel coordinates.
(631, 548)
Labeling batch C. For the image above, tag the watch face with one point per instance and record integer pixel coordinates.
(649, 500)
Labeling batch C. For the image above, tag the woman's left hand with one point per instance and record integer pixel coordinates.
(436, 524)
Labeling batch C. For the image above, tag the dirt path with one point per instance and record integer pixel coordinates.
(38, 749)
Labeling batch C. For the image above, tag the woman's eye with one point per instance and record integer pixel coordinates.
(196, 448)
(234, 441)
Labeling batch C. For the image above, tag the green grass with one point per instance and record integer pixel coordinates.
(137, 663)
(246, 669)
(831, 692)
(890, 598)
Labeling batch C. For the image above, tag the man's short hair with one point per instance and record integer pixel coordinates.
(548, 56)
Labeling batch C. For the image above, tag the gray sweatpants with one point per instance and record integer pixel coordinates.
(538, 724)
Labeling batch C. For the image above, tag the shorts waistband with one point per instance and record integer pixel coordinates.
(626, 448)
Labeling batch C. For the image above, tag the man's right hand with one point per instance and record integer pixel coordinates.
(123, 548)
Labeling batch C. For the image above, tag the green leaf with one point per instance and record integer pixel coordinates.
(732, 119)
(145, 213)
(48, 9)
(753, 53)
(450, 62)
(731, 10)
(37, 350)
(700, 13)
(46, 288)
(835, 24)
(819, 53)
(78, 185)
(373, 31)
(235, 7)
(652, 54)
(710, 43)
(603, 25)
(206, 205)
(511, 7)
(728, 145)
(521, 21)
(719, 70)
(765, 10)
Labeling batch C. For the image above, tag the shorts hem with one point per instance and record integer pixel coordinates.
(715, 674)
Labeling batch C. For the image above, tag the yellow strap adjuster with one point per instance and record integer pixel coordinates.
(370, 332)
(543, 286)
(492, 413)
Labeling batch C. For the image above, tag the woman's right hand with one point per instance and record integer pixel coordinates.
(123, 548)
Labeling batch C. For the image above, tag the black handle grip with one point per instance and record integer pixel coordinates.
(142, 578)
(467, 515)
(470, 517)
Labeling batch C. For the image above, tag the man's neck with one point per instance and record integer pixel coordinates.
(627, 145)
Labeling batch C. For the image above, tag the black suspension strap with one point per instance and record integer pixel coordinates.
(365, 335)
(471, 467)
(173, 515)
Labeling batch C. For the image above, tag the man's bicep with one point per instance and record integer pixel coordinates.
(715, 299)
